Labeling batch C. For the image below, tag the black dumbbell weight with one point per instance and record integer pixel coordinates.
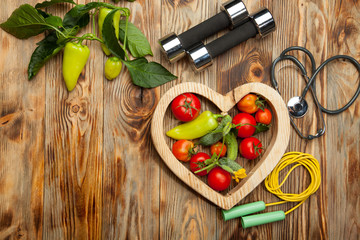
(233, 14)
(261, 24)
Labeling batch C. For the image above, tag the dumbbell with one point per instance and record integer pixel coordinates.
(233, 14)
(261, 24)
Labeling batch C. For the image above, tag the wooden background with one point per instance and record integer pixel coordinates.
(81, 165)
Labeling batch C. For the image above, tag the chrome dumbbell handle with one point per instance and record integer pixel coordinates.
(261, 23)
(233, 14)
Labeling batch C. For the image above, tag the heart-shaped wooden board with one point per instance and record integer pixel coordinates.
(272, 155)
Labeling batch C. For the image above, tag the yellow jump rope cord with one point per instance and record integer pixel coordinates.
(299, 159)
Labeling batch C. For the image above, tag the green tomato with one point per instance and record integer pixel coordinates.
(112, 68)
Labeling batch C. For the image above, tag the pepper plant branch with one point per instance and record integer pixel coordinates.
(87, 36)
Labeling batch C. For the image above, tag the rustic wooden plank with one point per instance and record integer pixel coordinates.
(309, 219)
(247, 62)
(291, 83)
(95, 193)
(183, 213)
(73, 145)
(342, 185)
(21, 137)
(131, 166)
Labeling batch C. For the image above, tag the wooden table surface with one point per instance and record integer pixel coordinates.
(81, 165)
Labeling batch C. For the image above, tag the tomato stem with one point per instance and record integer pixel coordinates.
(187, 105)
(257, 148)
(260, 103)
(243, 124)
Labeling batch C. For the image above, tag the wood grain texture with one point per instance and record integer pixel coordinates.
(22, 134)
(342, 183)
(131, 167)
(74, 149)
(177, 201)
(82, 165)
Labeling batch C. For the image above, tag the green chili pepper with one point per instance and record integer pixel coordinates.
(215, 135)
(202, 125)
(116, 21)
(112, 68)
(74, 60)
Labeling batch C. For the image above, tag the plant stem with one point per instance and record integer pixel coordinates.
(87, 36)
(93, 22)
(57, 30)
(207, 167)
(125, 37)
(218, 115)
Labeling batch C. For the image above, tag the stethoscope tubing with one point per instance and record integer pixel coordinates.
(312, 79)
(310, 83)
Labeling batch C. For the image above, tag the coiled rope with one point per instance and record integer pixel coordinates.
(299, 159)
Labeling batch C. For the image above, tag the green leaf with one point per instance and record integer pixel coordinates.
(229, 163)
(52, 2)
(47, 48)
(79, 15)
(260, 127)
(137, 43)
(25, 22)
(54, 21)
(211, 160)
(109, 36)
(42, 13)
(75, 17)
(148, 74)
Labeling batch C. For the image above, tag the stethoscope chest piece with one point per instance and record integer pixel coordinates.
(297, 107)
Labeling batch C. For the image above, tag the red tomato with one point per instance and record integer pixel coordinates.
(218, 148)
(196, 163)
(249, 104)
(248, 127)
(183, 149)
(186, 107)
(219, 179)
(263, 116)
(250, 148)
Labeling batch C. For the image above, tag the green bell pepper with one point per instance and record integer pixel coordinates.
(112, 68)
(116, 23)
(74, 60)
(200, 126)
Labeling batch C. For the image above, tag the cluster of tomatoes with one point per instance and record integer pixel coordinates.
(186, 107)
(251, 147)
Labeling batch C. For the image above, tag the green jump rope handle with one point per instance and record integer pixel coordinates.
(259, 219)
(243, 210)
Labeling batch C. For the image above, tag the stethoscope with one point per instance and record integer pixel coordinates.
(297, 106)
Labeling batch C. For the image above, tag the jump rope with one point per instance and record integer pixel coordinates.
(290, 159)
